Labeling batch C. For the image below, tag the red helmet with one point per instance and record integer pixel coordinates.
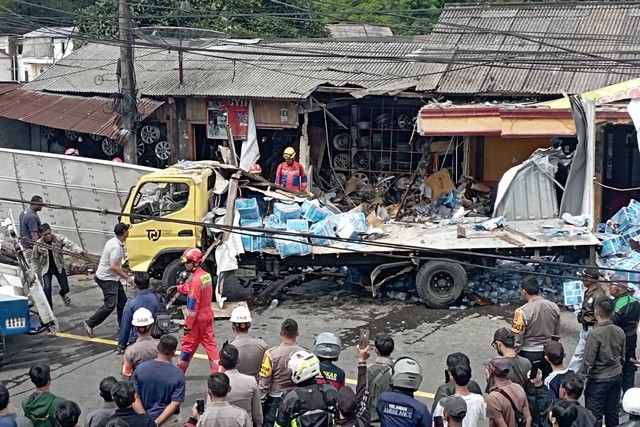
(117, 160)
(255, 169)
(72, 152)
(191, 254)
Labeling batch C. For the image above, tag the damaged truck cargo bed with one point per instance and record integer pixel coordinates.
(272, 228)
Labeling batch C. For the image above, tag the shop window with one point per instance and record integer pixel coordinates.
(157, 199)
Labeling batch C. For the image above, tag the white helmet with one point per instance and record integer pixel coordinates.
(142, 317)
(241, 314)
(328, 346)
(631, 401)
(406, 373)
(303, 365)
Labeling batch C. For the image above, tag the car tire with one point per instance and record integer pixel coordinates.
(441, 283)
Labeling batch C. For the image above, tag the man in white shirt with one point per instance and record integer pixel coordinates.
(460, 374)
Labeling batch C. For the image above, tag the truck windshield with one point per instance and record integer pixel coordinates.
(156, 199)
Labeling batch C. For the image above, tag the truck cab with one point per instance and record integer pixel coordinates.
(162, 209)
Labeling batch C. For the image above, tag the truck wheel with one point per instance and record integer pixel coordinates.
(440, 283)
(171, 272)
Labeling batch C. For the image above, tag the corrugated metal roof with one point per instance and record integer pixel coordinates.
(81, 114)
(358, 30)
(285, 70)
(532, 49)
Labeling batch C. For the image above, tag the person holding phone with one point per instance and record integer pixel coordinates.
(454, 412)
(474, 406)
(219, 413)
(627, 316)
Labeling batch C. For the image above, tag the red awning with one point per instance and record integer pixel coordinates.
(81, 114)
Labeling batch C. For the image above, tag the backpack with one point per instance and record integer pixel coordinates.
(162, 321)
(520, 419)
(318, 417)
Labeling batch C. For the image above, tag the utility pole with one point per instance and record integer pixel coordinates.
(127, 82)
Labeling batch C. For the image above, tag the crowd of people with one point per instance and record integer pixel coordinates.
(527, 384)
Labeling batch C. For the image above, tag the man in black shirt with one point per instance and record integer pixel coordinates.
(124, 394)
(449, 388)
(626, 315)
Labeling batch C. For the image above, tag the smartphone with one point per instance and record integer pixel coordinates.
(632, 360)
(555, 338)
(438, 422)
(200, 406)
(363, 342)
(534, 369)
(447, 377)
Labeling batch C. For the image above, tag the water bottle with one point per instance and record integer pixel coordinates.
(274, 304)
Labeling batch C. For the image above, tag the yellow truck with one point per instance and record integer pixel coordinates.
(167, 209)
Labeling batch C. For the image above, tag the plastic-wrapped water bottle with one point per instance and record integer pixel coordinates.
(274, 304)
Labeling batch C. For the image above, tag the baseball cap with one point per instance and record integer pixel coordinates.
(347, 401)
(498, 364)
(120, 228)
(554, 351)
(620, 281)
(454, 405)
(590, 273)
(631, 401)
(504, 335)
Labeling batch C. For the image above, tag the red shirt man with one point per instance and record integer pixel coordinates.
(290, 174)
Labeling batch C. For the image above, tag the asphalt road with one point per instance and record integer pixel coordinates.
(78, 364)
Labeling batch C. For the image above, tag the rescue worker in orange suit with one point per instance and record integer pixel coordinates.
(291, 174)
(198, 323)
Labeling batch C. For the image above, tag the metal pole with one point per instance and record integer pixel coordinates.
(127, 82)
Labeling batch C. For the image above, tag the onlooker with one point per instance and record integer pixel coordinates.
(535, 323)
(108, 277)
(124, 395)
(244, 389)
(454, 412)
(627, 316)
(379, 374)
(602, 366)
(160, 385)
(275, 375)
(250, 349)
(145, 348)
(40, 406)
(631, 405)
(507, 402)
(47, 257)
(449, 388)
(571, 390)
(327, 349)
(145, 298)
(475, 407)
(554, 354)
(220, 413)
(67, 414)
(30, 224)
(8, 418)
(398, 407)
(353, 408)
(586, 315)
(310, 403)
(563, 413)
(94, 418)
(504, 342)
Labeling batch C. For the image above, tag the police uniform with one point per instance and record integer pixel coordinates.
(145, 348)
(397, 409)
(250, 351)
(245, 395)
(223, 414)
(275, 379)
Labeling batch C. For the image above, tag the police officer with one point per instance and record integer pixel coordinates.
(627, 316)
(251, 349)
(145, 348)
(310, 404)
(220, 413)
(275, 375)
(398, 407)
(244, 388)
(586, 316)
(327, 349)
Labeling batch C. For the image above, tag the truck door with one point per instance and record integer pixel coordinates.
(151, 233)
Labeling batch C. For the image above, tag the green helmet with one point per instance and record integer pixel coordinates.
(406, 373)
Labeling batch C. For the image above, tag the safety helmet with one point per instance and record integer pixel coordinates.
(241, 314)
(303, 366)
(328, 346)
(289, 152)
(142, 317)
(255, 169)
(406, 373)
(191, 254)
(631, 401)
(72, 152)
(117, 160)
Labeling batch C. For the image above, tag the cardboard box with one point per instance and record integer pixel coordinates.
(312, 212)
(324, 228)
(248, 208)
(298, 225)
(292, 246)
(284, 212)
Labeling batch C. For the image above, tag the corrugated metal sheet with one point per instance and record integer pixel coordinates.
(532, 49)
(286, 70)
(87, 115)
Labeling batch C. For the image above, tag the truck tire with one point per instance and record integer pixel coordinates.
(170, 273)
(440, 283)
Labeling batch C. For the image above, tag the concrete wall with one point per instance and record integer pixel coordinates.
(15, 134)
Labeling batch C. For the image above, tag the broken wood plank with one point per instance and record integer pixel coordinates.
(519, 233)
